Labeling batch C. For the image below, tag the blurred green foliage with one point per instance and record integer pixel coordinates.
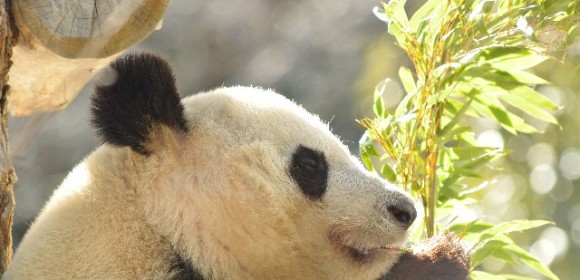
(470, 61)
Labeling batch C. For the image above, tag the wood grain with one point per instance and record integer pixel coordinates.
(45, 77)
(43, 81)
(90, 28)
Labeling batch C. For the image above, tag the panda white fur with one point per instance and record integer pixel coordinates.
(237, 183)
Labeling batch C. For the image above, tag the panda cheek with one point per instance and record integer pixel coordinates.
(309, 170)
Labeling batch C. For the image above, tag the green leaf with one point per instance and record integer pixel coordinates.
(487, 158)
(531, 261)
(500, 115)
(477, 188)
(480, 275)
(516, 277)
(490, 76)
(407, 79)
(512, 58)
(534, 97)
(485, 250)
(515, 225)
(527, 78)
(367, 161)
(449, 193)
(573, 33)
(367, 149)
(388, 173)
(528, 107)
(470, 153)
(456, 115)
(466, 172)
(507, 120)
(367, 145)
(423, 15)
(467, 228)
(519, 96)
(399, 12)
(449, 207)
(402, 107)
(397, 20)
(446, 135)
(378, 102)
(504, 256)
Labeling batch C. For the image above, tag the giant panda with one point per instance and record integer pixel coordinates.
(235, 183)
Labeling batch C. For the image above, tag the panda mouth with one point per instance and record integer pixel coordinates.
(359, 249)
(365, 255)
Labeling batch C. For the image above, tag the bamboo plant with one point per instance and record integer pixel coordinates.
(470, 59)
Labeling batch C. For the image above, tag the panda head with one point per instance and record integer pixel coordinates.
(242, 182)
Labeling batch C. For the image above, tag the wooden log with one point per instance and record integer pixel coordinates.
(90, 28)
(7, 175)
(62, 44)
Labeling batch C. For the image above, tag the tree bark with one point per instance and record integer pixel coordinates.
(7, 174)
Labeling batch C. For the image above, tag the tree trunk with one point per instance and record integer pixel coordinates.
(7, 174)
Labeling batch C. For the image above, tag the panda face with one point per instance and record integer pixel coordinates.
(246, 184)
(283, 183)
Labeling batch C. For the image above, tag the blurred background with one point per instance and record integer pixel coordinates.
(327, 55)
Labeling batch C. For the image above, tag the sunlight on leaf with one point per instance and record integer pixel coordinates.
(469, 60)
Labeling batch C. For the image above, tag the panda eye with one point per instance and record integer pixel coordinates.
(309, 170)
(309, 165)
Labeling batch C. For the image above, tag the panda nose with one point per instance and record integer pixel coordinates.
(404, 212)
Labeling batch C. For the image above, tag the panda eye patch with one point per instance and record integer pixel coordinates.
(309, 170)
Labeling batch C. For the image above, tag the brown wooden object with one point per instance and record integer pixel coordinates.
(62, 44)
(7, 175)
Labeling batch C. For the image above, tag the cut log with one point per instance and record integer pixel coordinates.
(90, 28)
(52, 32)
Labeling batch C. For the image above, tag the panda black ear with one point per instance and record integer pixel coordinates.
(141, 95)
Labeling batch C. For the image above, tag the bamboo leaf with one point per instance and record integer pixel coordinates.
(481, 275)
(367, 161)
(470, 153)
(457, 115)
(504, 256)
(446, 135)
(367, 149)
(378, 102)
(512, 58)
(397, 20)
(531, 261)
(423, 15)
(507, 120)
(528, 107)
(527, 78)
(366, 144)
(399, 12)
(516, 277)
(467, 228)
(469, 59)
(477, 188)
(402, 107)
(407, 79)
(487, 249)
(534, 97)
(515, 225)
(388, 173)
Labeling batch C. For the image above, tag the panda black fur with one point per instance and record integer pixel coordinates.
(238, 183)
